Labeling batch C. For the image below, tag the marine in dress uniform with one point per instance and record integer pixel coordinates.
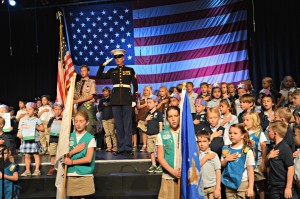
(121, 98)
(84, 97)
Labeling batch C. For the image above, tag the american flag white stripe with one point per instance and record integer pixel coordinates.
(179, 8)
(190, 25)
(182, 65)
(232, 77)
(191, 44)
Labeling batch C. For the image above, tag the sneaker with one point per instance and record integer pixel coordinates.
(151, 169)
(134, 148)
(51, 171)
(108, 149)
(158, 169)
(144, 148)
(36, 173)
(114, 149)
(26, 173)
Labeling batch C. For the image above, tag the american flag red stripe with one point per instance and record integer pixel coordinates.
(65, 72)
(189, 16)
(69, 69)
(193, 73)
(191, 54)
(190, 35)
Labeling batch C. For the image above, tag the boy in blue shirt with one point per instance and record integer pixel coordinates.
(154, 123)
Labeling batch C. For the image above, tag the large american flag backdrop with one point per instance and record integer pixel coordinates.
(167, 42)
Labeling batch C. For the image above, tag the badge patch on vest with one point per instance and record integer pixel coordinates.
(126, 73)
(166, 136)
(71, 141)
(246, 150)
(225, 152)
(12, 167)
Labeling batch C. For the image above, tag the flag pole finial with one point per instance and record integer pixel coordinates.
(184, 86)
(59, 15)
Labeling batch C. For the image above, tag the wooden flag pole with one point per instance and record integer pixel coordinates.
(179, 159)
(59, 17)
(72, 85)
(64, 182)
(178, 189)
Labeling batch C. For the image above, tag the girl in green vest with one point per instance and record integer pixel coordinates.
(81, 159)
(167, 153)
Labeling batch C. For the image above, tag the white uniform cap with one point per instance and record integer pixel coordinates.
(118, 52)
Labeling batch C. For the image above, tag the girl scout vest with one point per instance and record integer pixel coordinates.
(256, 137)
(169, 147)
(11, 189)
(84, 169)
(233, 172)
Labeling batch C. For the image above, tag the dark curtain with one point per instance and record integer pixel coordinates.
(28, 73)
(31, 70)
(274, 49)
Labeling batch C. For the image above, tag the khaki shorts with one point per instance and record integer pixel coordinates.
(80, 185)
(209, 192)
(258, 175)
(151, 140)
(168, 189)
(53, 148)
(239, 193)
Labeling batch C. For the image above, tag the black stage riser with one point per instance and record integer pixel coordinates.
(114, 185)
(103, 166)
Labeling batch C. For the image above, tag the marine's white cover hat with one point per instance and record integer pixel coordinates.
(118, 52)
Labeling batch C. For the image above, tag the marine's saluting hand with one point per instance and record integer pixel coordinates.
(107, 61)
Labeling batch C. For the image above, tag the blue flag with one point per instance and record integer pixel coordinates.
(191, 177)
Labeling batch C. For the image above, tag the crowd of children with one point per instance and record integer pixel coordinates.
(249, 143)
(248, 146)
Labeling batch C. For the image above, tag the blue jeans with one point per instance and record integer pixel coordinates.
(123, 125)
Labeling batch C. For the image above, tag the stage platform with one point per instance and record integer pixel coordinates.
(116, 177)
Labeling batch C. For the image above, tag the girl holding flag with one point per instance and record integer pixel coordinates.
(81, 159)
(167, 152)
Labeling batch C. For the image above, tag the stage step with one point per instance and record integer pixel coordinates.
(116, 177)
(110, 185)
(104, 166)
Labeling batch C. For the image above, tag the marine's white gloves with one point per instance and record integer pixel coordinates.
(107, 61)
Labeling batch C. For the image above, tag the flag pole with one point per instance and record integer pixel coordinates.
(178, 189)
(179, 159)
(59, 17)
(64, 182)
(72, 87)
